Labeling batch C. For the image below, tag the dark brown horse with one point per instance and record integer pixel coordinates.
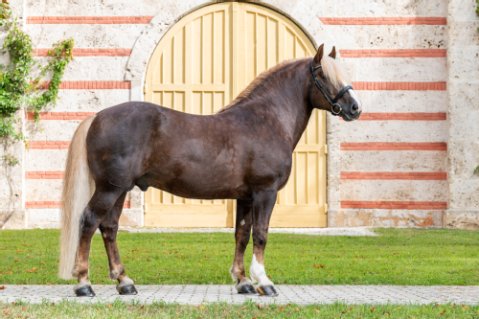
(244, 152)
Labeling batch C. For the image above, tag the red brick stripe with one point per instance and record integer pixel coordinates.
(394, 53)
(395, 175)
(359, 53)
(58, 116)
(44, 175)
(56, 204)
(393, 204)
(43, 204)
(89, 20)
(367, 86)
(383, 20)
(393, 146)
(414, 116)
(78, 52)
(400, 86)
(93, 85)
(48, 145)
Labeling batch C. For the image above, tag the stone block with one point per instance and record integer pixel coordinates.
(461, 10)
(462, 219)
(43, 189)
(387, 36)
(394, 161)
(385, 218)
(52, 130)
(12, 219)
(404, 101)
(464, 125)
(463, 96)
(86, 35)
(394, 131)
(462, 62)
(463, 159)
(396, 69)
(43, 218)
(96, 69)
(132, 217)
(464, 194)
(463, 34)
(394, 190)
(45, 160)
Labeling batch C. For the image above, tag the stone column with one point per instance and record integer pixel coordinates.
(463, 93)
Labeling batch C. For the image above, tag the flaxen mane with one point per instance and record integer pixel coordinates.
(256, 83)
(334, 72)
(331, 70)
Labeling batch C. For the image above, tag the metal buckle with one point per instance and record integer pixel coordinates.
(336, 109)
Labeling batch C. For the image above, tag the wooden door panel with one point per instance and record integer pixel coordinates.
(201, 64)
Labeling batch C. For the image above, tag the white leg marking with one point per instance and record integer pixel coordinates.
(125, 281)
(258, 273)
(233, 276)
(242, 222)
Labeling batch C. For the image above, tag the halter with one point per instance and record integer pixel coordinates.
(336, 109)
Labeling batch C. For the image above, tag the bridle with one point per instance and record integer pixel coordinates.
(336, 109)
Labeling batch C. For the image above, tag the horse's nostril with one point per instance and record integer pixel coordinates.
(354, 108)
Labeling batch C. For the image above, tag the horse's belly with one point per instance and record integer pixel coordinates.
(201, 189)
(200, 182)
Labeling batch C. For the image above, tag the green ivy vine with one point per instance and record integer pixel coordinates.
(24, 83)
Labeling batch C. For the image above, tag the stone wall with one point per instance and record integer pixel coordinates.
(414, 63)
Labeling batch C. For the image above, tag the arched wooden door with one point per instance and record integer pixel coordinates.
(203, 62)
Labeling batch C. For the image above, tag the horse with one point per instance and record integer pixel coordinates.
(243, 152)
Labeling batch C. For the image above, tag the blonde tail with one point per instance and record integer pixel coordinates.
(78, 188)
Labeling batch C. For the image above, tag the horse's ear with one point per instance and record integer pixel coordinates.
(333, 53)
(319, 54)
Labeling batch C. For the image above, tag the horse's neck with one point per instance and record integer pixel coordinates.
(286, 101)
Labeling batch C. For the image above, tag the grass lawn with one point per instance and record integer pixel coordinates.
(397, 256)
(249, 310)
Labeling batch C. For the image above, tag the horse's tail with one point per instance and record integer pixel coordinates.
(78, 188)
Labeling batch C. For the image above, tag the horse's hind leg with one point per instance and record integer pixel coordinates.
(244, 220)
(100, 204)
(263, 203)
(109, 229)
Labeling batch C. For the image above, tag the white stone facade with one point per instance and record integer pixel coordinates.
(415, 63)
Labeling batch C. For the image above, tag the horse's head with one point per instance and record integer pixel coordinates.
(329, 90)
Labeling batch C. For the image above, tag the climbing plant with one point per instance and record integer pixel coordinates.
(25, 84)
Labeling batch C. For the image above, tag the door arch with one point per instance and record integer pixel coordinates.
(202, 63)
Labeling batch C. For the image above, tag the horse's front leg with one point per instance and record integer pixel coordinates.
(109, 229)
(244, 220)
(263, 203)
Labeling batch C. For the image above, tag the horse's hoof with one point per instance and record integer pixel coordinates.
(127, 290)
(84, 291)
(269, 291)
(246, 289)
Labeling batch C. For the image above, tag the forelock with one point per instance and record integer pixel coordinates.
(333, 72)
